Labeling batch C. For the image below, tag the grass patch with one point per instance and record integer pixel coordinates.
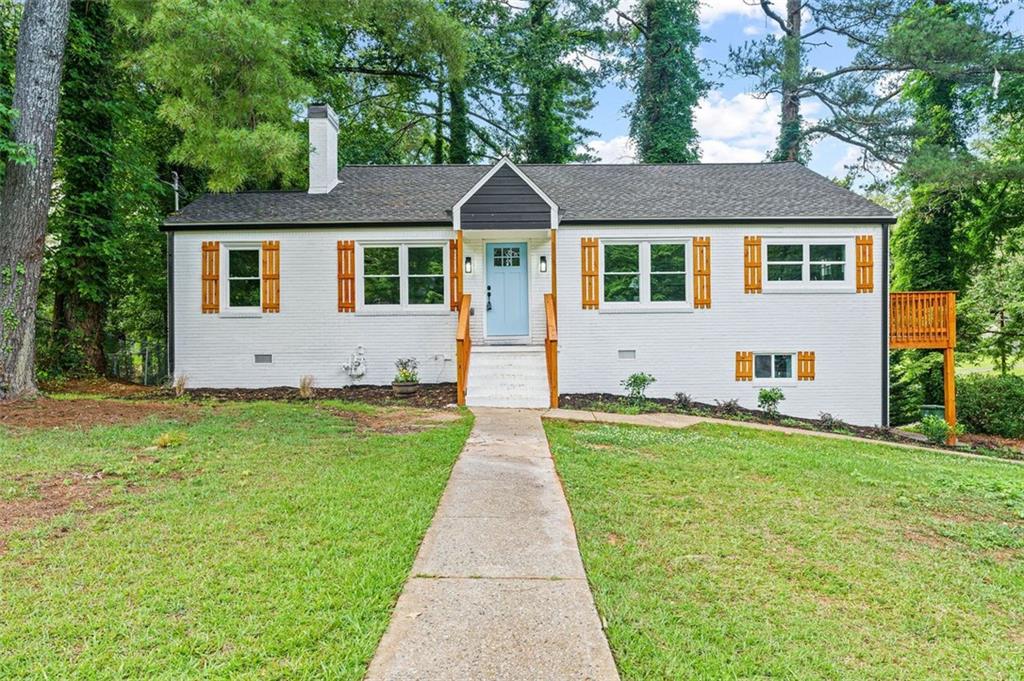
(261, 540)
(719, 552)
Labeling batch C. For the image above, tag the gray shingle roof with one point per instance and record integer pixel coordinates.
(584, 193)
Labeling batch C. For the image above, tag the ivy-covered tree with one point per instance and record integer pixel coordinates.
(662, 39)
(82, 224)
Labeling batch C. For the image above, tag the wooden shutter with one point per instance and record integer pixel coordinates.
(590, 266)
(865, 264)
(453, 273)
(751, 264)
(702, 271)
(744, 366)
(805, 366)
(211, 277)
(346, 276)
(271, 276)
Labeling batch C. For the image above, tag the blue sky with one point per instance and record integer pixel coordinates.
(733, 124)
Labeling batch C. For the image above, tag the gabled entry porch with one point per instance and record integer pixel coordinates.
(506, 291)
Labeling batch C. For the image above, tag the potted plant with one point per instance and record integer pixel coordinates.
(407, 380)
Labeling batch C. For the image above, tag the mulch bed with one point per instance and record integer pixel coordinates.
(430, 395)
(600, 402)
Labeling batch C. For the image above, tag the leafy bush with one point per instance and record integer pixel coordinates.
(684, 401)
(306, 384)
(991, 404)
(406, 370)
(830, 422)
(636, 387)
(768, 401)
(915, 378)
(937, 430)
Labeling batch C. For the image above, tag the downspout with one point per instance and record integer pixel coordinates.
(170, 306)
(885, 325)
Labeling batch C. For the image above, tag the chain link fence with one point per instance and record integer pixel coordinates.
(142, 362)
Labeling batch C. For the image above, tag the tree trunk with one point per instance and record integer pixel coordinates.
(792, 72)
(439, 127)
(458, 128)
(25, 200)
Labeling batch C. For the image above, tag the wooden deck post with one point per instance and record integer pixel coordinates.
(949, 368)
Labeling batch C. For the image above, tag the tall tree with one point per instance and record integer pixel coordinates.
(232, 72)
(82, 224)
(862, 99)
(25, 199)
(667, 83)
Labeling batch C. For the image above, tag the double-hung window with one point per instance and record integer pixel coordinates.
(645, 273)
(774, 366)
(403, 275)
(807, 263)
(243, 277)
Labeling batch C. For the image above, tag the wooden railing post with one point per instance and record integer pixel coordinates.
(551, 348)
(463, 347)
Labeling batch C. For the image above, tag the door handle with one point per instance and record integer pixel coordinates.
(488, 297)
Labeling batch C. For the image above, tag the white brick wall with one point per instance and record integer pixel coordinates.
(309, 335)
(691, 352)
(694, 352)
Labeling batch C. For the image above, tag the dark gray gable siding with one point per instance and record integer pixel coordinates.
(505, 201)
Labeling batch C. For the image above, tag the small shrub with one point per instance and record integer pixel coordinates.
(991, 404)
(180, 385)
(828, 422)
(306, 384)
(636, 387)
(407, 370)
(171, 439)
(937, 430)
(768, 401)
(684, 401)
(728, 407)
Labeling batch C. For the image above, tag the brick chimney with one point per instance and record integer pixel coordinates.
(323, 148)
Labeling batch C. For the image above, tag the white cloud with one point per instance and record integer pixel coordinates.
(713, 10)
(752, 29)
(616, 150)
(742, 122)
(717, 151)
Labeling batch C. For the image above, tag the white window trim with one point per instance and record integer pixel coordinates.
(225, 293)
(847, 285)
(404, 307)
(645, 304)
(761, 381)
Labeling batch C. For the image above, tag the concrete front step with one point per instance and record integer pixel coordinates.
(508, 376)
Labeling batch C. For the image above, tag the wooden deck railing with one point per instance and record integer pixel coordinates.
(463, 346)
(922, 319)
(551, 347)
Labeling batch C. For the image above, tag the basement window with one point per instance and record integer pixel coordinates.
(263, 359)
(774, 366)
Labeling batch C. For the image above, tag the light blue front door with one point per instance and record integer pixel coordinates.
(508, 293)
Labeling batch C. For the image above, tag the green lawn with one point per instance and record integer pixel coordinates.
(270, 542)
(721, 552)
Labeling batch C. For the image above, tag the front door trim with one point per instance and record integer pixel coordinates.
(489, 247)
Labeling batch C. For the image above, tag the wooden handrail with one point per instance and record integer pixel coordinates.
(922, 319)
(463, 346)
(551, 348)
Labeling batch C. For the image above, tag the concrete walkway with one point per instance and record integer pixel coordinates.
(498, 589)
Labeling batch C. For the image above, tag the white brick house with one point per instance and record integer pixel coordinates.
(717, 279)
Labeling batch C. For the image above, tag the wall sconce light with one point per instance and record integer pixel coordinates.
(543, 263)
(468, 267)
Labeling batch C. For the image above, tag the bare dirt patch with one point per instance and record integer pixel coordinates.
(86, 413)
(100, 386)
(54, 497)
(397, 421)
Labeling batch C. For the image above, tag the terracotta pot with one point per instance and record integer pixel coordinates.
(404, 389)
